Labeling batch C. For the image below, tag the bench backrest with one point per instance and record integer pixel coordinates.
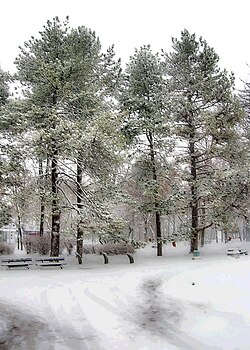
(52, 258)
(16, 260)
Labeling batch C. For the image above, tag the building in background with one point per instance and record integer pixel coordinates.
(8, 233)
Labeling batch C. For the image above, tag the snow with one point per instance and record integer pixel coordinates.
(170, 302)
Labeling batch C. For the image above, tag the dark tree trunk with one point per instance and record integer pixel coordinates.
(145, 218)
(42, 201)
(202, 237)
(225, 236)
(158, 233)
(79, 200)
(55, 211)
(216, 237)
(194, 197)
(42, 216)
(55, 226)
(20, 234)
(156, 196)
(194, 225)
(203, 213)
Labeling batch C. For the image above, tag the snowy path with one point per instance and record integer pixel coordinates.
(150, 305)
(82, 310)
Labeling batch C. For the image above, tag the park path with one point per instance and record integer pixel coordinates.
(121, 308)
(21, 330)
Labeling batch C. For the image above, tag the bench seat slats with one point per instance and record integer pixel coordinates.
(7, 260)
(22, 262)
(26, 262)
(50, 261)
(236, 251)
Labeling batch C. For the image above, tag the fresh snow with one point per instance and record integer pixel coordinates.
(157, 303)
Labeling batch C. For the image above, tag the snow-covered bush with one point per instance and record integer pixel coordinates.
(138, 244)
(89, 249)
(6, 249)
(37, 244)
(68, 243)
(115, 248)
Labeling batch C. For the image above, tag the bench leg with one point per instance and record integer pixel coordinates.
(131, 258)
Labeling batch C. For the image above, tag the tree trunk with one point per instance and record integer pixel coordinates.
(216, 237)
(225, 236)
(42, 201)
(202, 234)
(156, 196)
(79, 201)
(247, 229)
(20, 234)
(145, 219)
(202, 237)
(194, 223)
(194, 197)
(158, 233)
(55, 227)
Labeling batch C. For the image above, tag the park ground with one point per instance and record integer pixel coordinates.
(158, 303)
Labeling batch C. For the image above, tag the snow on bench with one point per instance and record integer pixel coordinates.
(50, 261)
(20, 262)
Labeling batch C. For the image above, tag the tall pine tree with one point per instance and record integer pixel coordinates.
(204, 113)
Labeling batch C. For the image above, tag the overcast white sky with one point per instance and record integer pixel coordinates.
(131, 23)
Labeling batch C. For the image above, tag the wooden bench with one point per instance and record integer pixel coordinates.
(106, 259)
(236, 252)
(130, 258)
(17, 262)
(50, 261)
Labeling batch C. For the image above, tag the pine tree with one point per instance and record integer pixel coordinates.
(89, 105)
(44, 70)
(204, 112)
(143, 103)
(67, 82)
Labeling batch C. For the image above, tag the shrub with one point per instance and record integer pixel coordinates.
(68, 243)
(115, 248)
(89, 249)
(6, 249)
(138, 244)
(37, 244)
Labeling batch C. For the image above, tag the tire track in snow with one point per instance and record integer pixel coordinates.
(21, 330)
(161, 316)
(72, 329)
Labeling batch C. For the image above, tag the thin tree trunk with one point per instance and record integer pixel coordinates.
(225, 236)
(247, 230)
(43, 176)
(42, 200)
(194, 197)
(156, 195)
(79, 200)
(55, 222)
(203, 212)
(145, 219)
(174, 225)
(216, 237)
(20, 235)
(55, 211)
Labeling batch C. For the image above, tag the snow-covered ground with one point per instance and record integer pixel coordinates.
(158, 303)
